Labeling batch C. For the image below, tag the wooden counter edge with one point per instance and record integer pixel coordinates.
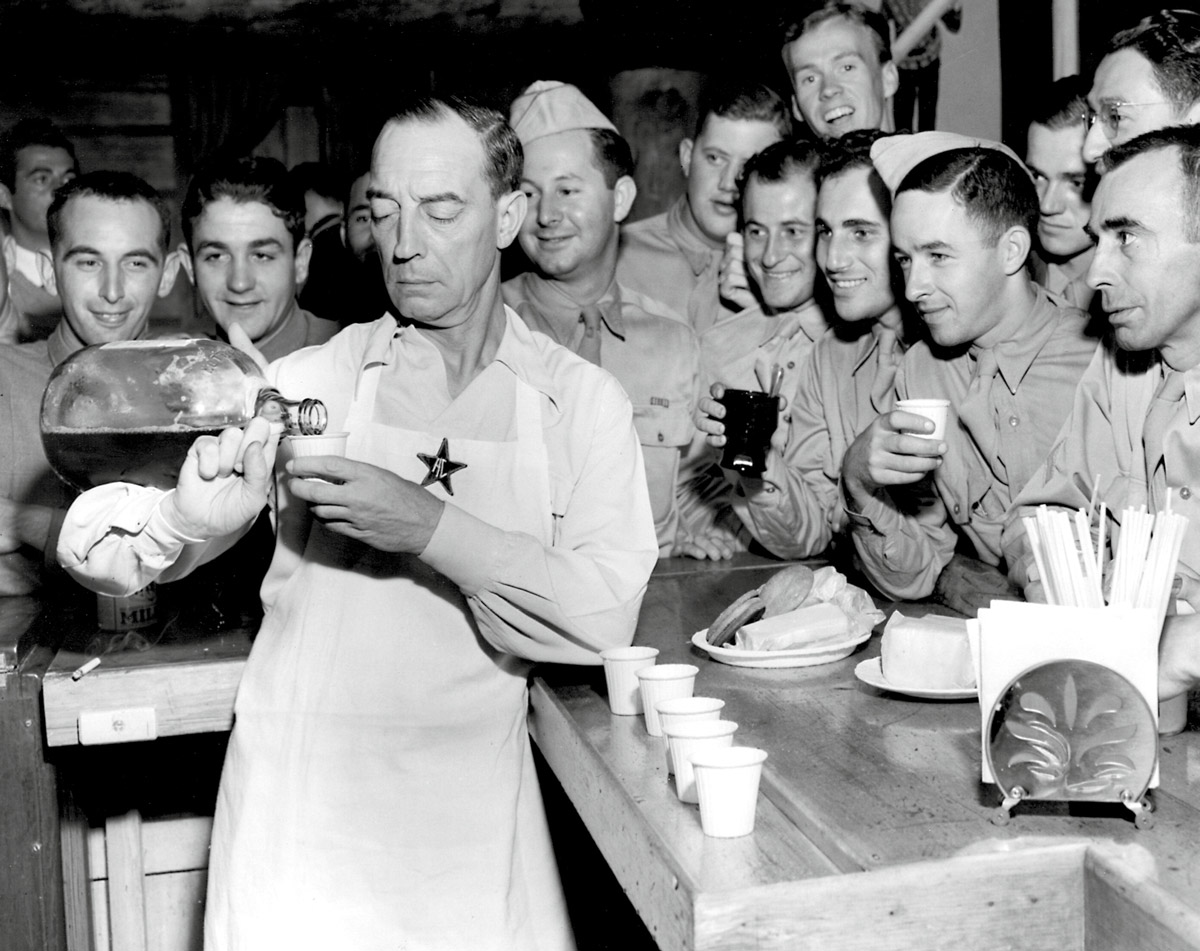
(1070, 895)
(187, 698)
(659, 889)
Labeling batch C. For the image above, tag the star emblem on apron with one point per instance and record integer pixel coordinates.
(440, 466)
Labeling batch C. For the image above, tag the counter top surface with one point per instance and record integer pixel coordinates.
(865, 779)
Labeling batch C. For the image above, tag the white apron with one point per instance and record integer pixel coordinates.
(379, 791)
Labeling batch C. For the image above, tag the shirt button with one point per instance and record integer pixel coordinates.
(957, 508)
(791, 364)
(1185, 493)
(661, 438)
(1013, 421)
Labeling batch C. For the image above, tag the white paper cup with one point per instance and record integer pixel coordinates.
(621, 665)
(1172, 715)
(935, 411)
(327, 444)
(684, 710)
(688, 738)
(727, 783)
(664, 682)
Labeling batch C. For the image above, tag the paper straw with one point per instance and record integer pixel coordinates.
(1035, 544)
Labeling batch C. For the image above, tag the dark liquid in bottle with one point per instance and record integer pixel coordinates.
(91, 457)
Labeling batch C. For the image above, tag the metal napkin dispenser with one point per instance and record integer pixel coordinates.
(1068, 701)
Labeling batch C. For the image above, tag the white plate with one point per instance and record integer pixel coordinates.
(871, 672)
(798, 657)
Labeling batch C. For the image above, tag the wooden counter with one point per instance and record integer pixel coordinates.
(858, 781)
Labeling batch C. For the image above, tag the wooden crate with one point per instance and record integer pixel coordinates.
(145, 884)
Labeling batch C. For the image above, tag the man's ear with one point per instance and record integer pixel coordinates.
(624, 192)
(891, 79)
(1192, 116)
(185, 260)
(1015, 245)
(685, 156)
(46, 272)
(170, 270)
(5, 198)
(303, 258)
(510, 215)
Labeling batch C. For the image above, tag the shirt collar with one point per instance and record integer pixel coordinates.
(807, 319)
(1028, 334)
(62, 342)
(1191, 392)
(518, 351)
(554, 304)
(288, 337)
(699, 252)
(869, 342)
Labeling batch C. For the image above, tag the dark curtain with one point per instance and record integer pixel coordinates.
(225, 113)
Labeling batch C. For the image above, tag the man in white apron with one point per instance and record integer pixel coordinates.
(491, 512)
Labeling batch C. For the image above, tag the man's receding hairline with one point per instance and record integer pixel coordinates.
(77, 197)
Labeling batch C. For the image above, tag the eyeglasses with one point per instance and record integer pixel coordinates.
(1109, 114)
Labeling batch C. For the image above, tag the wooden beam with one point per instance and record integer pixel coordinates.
(1064, 19)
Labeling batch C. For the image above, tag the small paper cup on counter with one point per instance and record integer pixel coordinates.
(935, 411)
(664, 682)
(688, 738)
(327, 444)
(621, 665)
(686, 710)
(727, 783)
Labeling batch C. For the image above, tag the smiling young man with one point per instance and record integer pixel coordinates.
(1148, 79)
(1005, 354)
(578, 177)
(840, 63)
(848, 378)
(246, 253)
(108, 234)
(1064, 183)
(778, 210)
(675, 257)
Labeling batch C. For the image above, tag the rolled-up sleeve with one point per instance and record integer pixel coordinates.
(115, 539)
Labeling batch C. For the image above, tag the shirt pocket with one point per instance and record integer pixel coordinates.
(663, 425)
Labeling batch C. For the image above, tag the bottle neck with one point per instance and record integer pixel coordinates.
(307, 417)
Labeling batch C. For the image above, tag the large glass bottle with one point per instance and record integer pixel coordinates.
(129, 411)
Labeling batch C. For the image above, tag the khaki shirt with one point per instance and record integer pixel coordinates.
(906, 537)
(665, 258)
(1103, 438)
(740, 352)
(654, 356)
(798, 505)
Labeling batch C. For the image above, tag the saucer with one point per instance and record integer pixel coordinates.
(871, 672)
(796, 657)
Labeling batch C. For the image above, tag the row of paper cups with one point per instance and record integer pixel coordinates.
(707, 767)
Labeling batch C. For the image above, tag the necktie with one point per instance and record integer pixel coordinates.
(1162, 409)
(589, 346)
(976, 410)
(887, 358)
